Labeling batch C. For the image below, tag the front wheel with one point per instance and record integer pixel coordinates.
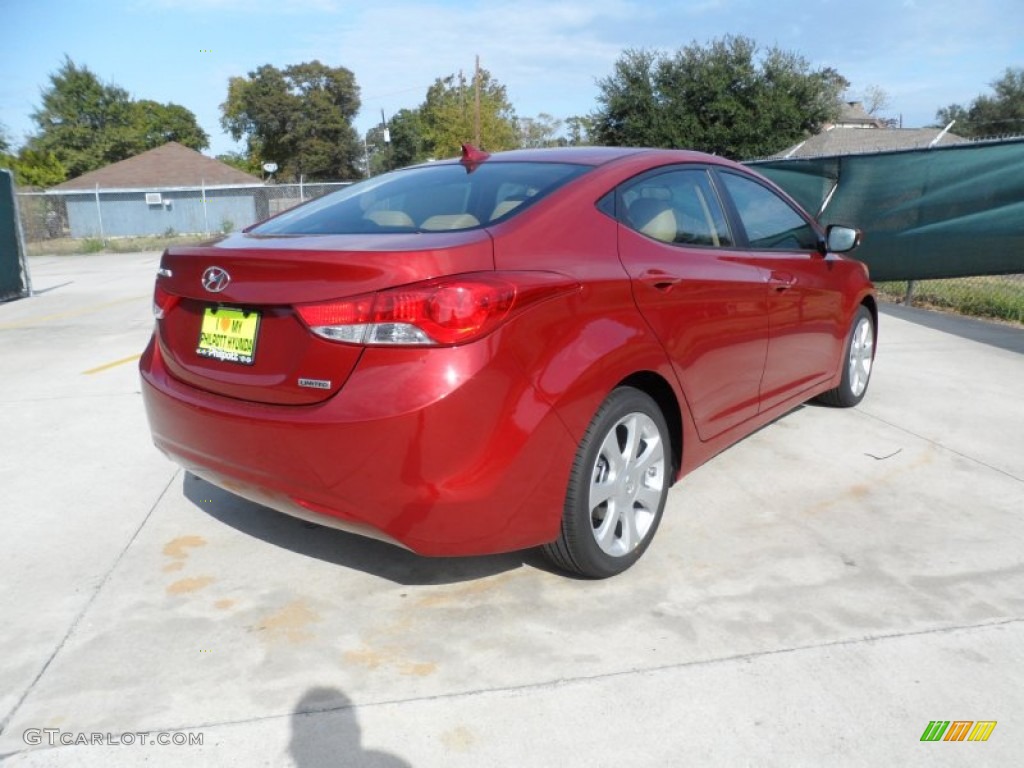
(617, 488)
(858, 359)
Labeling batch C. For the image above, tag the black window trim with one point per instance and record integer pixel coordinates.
(733, 215)
(615, 206)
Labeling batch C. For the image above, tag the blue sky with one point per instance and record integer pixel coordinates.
(549, 54)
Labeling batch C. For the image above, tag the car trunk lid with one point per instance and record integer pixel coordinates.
(229, 324)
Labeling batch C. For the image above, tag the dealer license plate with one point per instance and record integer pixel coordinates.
(229, 334)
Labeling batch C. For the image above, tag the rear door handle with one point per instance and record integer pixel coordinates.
(781, 281)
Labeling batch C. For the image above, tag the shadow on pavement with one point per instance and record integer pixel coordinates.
(345, 549)
(326, 734)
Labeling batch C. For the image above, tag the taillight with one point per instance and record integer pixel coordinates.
(162, 302)
(434, 313)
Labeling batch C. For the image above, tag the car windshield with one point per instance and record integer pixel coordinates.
(431, 198)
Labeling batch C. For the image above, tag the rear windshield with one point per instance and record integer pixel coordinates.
(426, 199)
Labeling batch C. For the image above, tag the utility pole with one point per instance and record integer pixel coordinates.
(476, 87)
(387, 141)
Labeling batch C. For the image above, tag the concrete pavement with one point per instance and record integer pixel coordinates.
(815, 596)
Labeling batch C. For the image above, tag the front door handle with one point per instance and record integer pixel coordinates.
(660, 280)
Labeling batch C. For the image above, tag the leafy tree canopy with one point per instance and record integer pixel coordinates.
(725, 98)
(999, 114)
(445, 120)
(38, 168)
(580, 130)
(155, 124)
(541, 131)
(242, 162)
(87, 124)
(408, 139)
(448, 115)
(299, 117)
(5, 140)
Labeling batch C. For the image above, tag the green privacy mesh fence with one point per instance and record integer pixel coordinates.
(11, 281)
(932, 213)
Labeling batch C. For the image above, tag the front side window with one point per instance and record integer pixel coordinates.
(426, 199)
(678, 207)
(770, 222)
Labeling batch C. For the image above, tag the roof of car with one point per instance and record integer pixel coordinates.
(586, 155)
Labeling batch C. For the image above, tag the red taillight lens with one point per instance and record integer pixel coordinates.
(162, 302)
(448, 313)
(347, 312)
(438, 312)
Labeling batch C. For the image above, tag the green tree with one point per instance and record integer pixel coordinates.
(1000, 113)
(540, 131)
(84, 122)
(408, 141)
(445, 120)
(155, 124)
(580, 130)
(87, 124)
(447, 117)
(299, 117)
(630, 109)
(38, 168)
(403, 143)
(6, 159)
(242, 162)
(725, 98)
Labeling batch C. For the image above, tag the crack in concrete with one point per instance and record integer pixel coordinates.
(942, 446)
(563, 682)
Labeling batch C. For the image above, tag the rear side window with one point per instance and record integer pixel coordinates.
(770, 222)
(678, 207)
(433, 198)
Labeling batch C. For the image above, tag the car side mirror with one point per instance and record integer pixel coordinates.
(840, 239)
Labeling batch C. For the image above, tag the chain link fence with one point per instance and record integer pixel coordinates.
(59, 221)
(999, 297)
(148, 219)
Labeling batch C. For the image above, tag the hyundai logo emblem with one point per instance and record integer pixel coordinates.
(215, 279)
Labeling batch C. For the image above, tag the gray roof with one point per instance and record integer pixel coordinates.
(852, 113)
(171, 165)
(855, 141)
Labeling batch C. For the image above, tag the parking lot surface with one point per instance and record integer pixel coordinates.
(816, 595)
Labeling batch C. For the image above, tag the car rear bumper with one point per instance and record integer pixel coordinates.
(442, 451)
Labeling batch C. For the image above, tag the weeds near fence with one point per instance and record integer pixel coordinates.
(67, 246)
(1000, 297)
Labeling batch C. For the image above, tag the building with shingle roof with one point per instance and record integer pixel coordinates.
(853, 115)
(856, 132)
(168, 190)
(854, 141)
(170, 165)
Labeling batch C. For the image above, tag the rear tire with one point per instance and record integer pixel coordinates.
(617, 488)
(858, 360)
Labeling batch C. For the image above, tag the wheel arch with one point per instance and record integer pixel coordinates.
(658, 389)
(871, 303)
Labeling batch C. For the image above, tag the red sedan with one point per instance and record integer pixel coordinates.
(504, 351)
